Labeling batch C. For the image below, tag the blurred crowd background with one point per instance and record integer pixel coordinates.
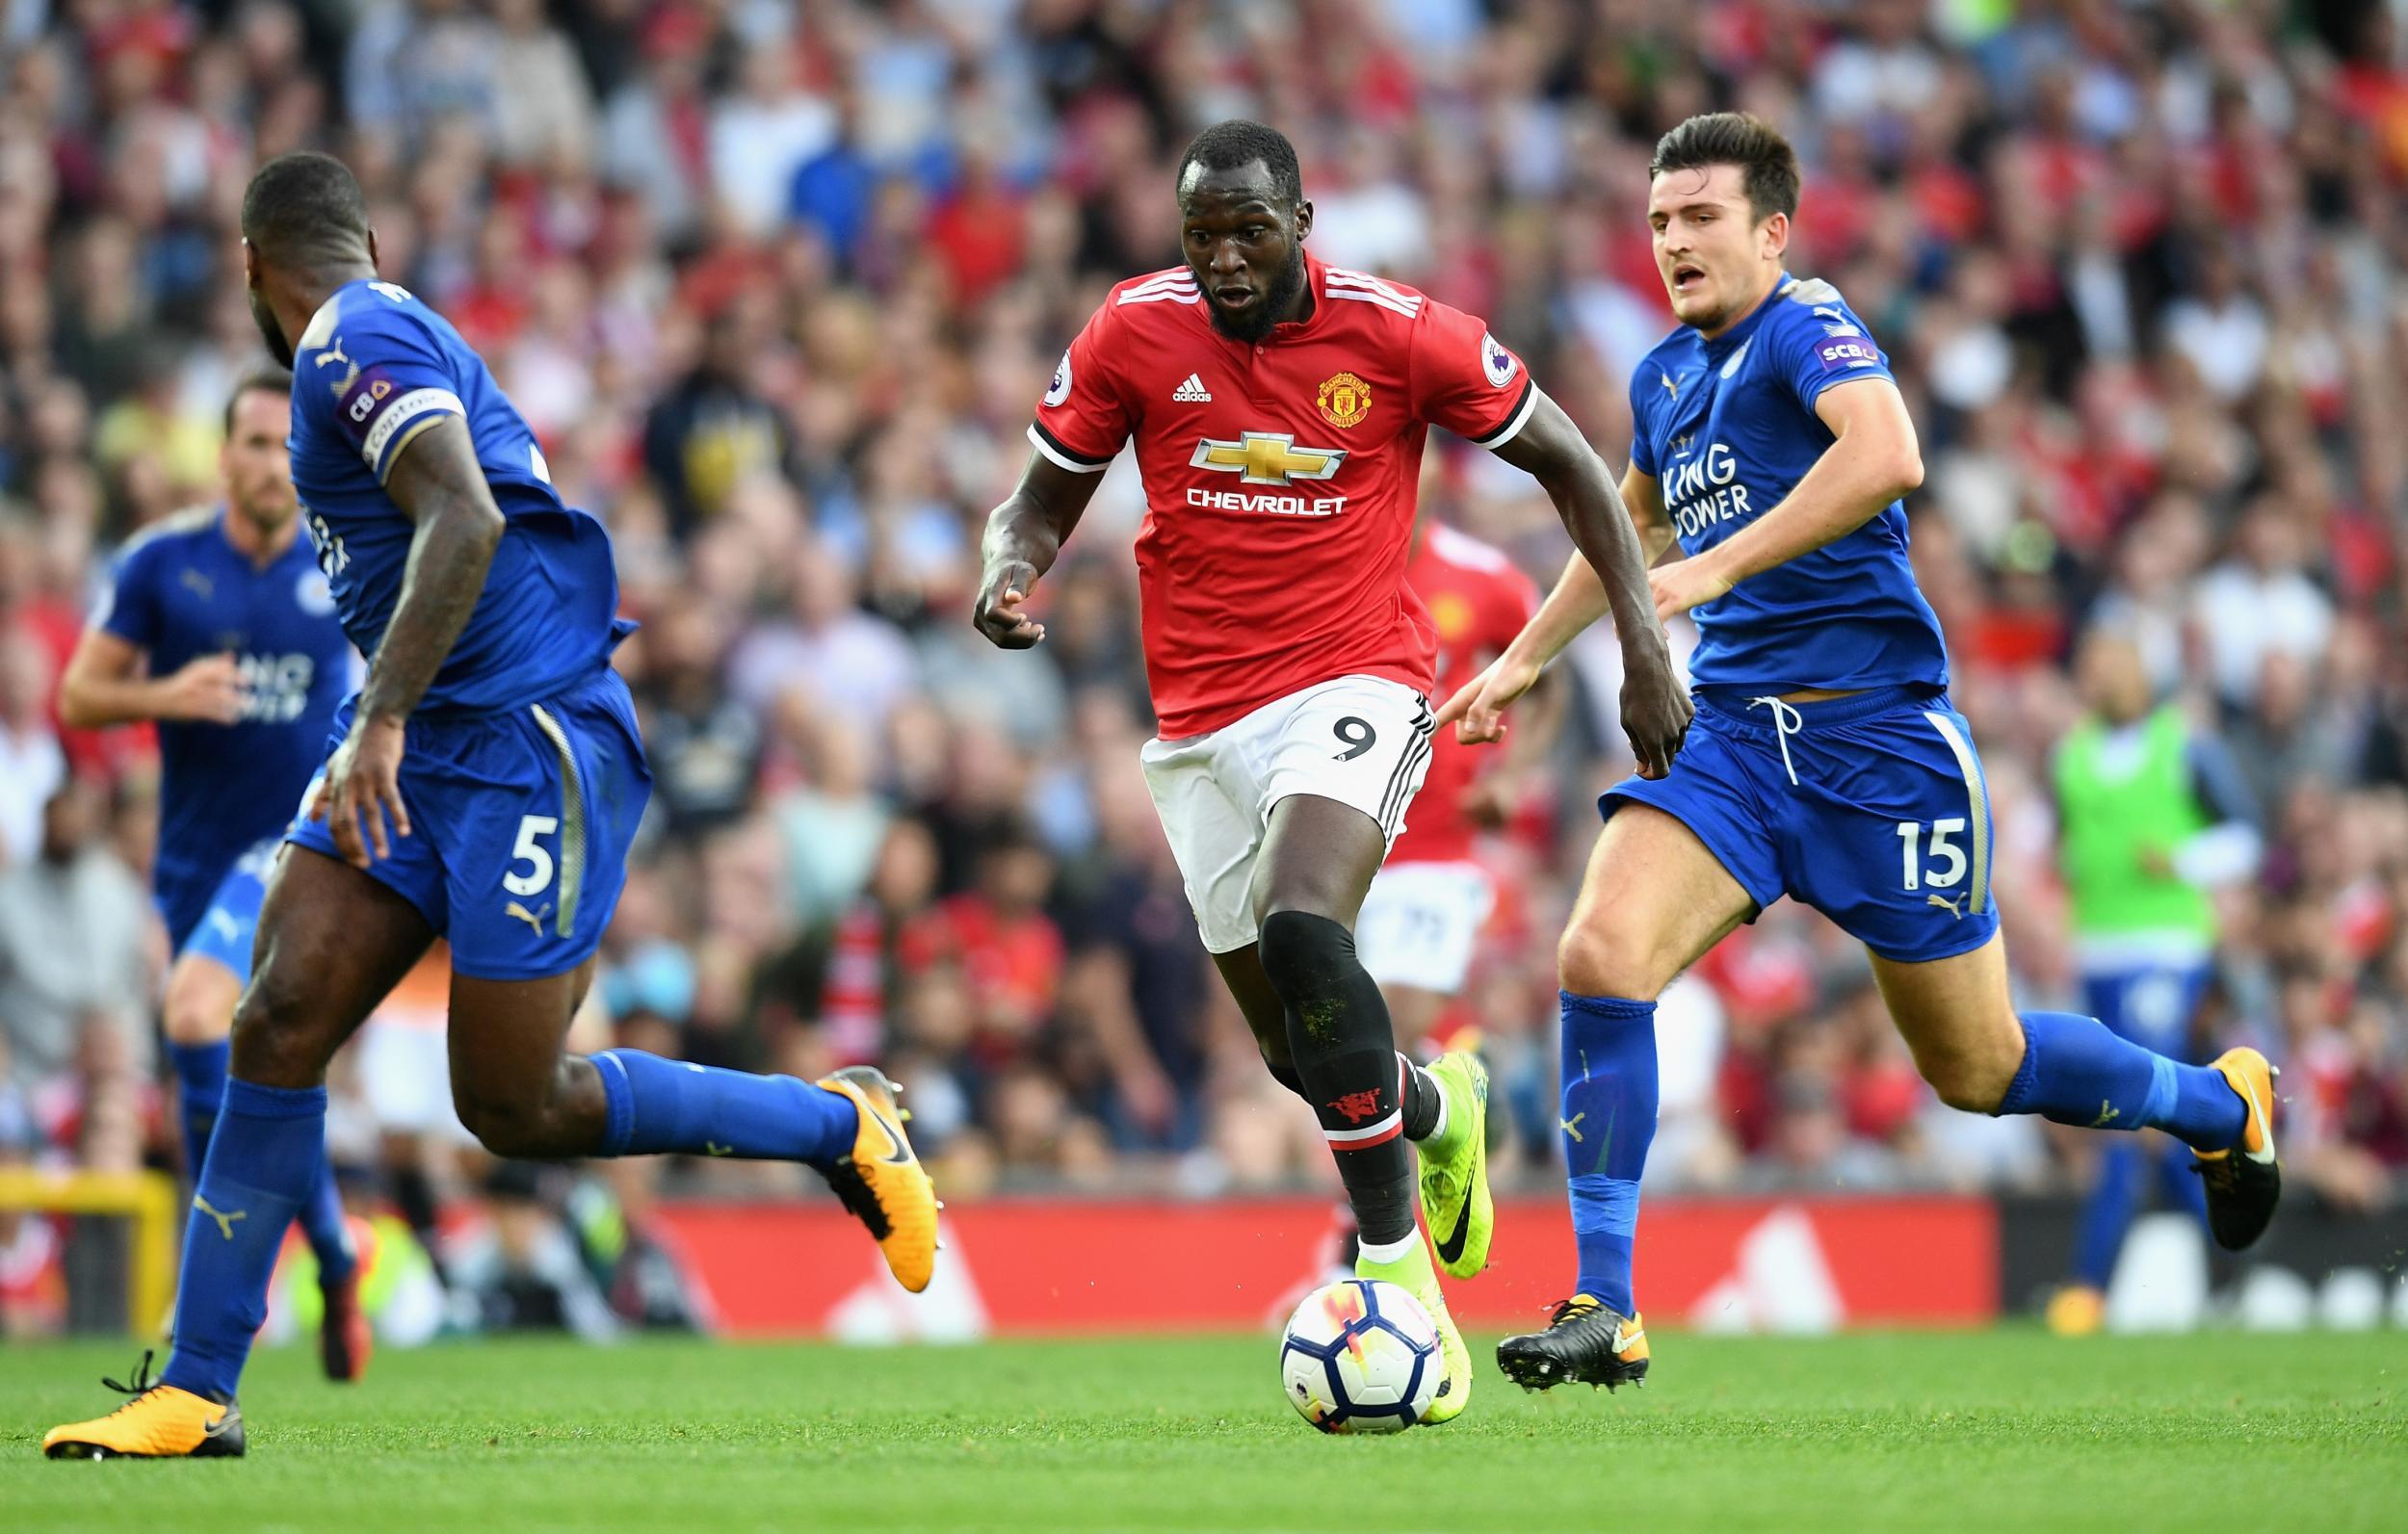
(779, 283)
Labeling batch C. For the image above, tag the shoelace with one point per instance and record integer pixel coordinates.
(1785, 722)
(1566, 1312)
(142, 1384)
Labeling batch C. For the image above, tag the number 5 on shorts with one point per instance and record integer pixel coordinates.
(537, 857)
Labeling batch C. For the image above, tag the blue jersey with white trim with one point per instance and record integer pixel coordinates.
(374, 368)
(1727, 428)
(182, 590)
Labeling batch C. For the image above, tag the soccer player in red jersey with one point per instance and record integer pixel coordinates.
(1427, 907)
(1279, 406)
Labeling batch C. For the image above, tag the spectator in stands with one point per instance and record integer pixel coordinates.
(76, 949)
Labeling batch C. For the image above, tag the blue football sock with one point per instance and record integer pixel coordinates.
(322, 1221)
(1609, 1120)
(661, 1106)
(2107, 1214)
(200, 1092)
(268, 1144)
(2077, 1071)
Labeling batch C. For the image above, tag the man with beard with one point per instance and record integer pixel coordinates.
(1279, 406)
(484, 785)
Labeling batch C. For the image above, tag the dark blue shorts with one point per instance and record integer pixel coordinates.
(1876, 815)
(519, 827)
(225, 930)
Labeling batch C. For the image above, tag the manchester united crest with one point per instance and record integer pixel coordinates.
(1346, 400)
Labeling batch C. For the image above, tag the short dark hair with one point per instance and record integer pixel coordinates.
(305, 209)
(262, 378)
(1767, 164)
(1228, 145)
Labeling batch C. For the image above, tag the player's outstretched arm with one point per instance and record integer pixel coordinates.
(104, 685)
(1655, 709)
(1875, 461)
(1024, 536)
(438, 484)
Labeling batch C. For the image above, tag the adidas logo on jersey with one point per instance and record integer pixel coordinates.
(1191, 392)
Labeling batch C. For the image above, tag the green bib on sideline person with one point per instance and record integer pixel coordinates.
(2116, 808)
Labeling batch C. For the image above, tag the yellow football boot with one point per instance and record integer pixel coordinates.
(2077, 1311)
(1412, 1273)
(881, 1182)
(2243, 1183)
(160, 1422)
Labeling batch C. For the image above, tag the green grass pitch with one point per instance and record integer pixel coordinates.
(2000, 1430)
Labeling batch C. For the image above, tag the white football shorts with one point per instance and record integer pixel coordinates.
(1361, 741)
(1421, 923)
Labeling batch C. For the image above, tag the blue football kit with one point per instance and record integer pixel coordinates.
(524, 772)
(524, 776)
(1869, 808)
(181, 591)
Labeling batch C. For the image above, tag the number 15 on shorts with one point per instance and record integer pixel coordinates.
(1928, 854)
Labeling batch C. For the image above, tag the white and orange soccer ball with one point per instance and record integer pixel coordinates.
(1360, 1356)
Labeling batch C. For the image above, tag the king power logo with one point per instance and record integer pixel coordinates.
(1273, 458)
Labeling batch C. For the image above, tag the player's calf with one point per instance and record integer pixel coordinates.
(198, 1018)
(1346, 1056)
(1971, 1071)
(565, 1118)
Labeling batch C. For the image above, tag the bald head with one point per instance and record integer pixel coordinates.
(306, 210)
(305, 234)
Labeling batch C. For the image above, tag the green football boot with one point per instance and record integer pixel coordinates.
(1455, 1168)
(1413, 1274)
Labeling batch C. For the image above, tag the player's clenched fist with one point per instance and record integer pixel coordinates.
(1655, 710)
(1002, 614)
(207, 688)
(364, 782)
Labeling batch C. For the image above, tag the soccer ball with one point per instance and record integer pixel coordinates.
(1360, 1356)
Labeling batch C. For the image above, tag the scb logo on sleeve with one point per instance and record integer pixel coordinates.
(1843, 352)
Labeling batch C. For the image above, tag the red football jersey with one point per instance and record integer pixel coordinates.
(1279, 478)
(1478, 602)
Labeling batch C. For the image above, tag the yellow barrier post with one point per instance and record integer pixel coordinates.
(146, 1198)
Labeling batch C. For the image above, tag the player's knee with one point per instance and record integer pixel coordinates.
(280, 1036)
(1609, 958)
(1305, 954)
(199, 1005)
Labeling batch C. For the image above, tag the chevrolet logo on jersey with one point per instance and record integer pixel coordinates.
(1268, 458)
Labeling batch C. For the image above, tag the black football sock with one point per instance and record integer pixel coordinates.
(1423, 1104)
(1346, 1056)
